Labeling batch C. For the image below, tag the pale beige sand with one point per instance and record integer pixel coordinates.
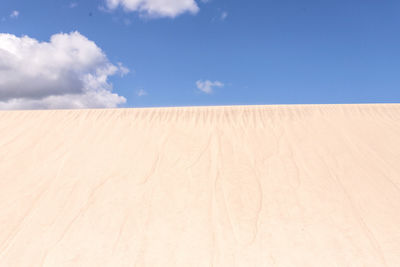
(310, 185)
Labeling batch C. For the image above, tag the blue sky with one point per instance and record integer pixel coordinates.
(238, 52)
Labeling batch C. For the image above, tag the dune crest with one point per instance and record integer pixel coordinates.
(290, 185)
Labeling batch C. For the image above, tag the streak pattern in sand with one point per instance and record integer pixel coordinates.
(306, 185)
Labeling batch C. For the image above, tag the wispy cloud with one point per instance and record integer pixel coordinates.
(208, 86)
(224, 15)
(155, 8)
(122, 69)
(127, 21)
(73, 4)
(14, 14)
(141, 92)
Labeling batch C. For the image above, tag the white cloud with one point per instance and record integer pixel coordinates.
(141, 92)
(69, 71)
(14, 14)
(208, 86)
(155, 8)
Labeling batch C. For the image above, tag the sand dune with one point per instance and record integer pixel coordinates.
(306, 185)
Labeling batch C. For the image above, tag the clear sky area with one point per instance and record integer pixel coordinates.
(148, 53)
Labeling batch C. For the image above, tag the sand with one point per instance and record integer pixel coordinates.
(303, 185)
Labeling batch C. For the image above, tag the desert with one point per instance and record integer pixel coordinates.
(280, 185)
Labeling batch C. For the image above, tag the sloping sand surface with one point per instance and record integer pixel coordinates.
(307, 185)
